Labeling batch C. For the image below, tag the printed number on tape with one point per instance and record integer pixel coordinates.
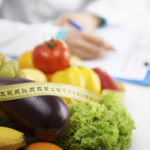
(23, 90)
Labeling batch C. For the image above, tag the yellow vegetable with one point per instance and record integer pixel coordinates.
(10, 139)
(2, 59)
(34, 74)
(120, 86)
(71, 75)
(91, 80)
(75, 61)
(25, 60)
(78, 76)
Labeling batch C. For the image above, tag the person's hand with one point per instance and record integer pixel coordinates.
(87, 45)
(86, 20)
(84, 43)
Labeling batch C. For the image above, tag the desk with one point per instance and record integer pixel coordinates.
(137, 100)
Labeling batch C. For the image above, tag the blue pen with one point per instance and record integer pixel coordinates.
(77, 26)
(73, 23)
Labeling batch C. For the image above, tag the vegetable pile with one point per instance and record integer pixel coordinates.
(103, 126)
(58, 123)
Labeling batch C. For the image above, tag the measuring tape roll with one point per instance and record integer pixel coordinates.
(30, 89)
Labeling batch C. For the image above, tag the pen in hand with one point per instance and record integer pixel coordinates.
(86, 44)
(77, 26)
(105, 44)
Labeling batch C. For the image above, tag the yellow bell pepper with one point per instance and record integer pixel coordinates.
(92, 81)
(78, 76)
(71, 75)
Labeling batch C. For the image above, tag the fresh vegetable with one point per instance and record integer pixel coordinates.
(44, 117)
(34, 74)
(2, 59)
(43, 146)
(103, 126)
(71, 75)
(75, 61)
(20, 74)
(107, 81)
(120, 86)
(10, 139)
(92, 81)
(10, 69)
(78, 76)
(25, 60)
(7, 71)
(51, 56)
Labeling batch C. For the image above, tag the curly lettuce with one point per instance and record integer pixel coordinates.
(103, 126)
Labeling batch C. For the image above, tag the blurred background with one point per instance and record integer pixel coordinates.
(111, 34)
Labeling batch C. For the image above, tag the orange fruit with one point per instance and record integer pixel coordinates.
(43, 146)
(25, 60)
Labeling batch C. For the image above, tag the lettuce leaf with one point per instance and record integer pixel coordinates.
(103, 126)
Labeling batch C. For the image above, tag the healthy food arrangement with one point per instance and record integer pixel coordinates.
(69, 118)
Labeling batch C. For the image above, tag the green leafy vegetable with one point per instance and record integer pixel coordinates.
(104, 126)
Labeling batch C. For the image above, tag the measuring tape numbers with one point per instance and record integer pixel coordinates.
(31, 89)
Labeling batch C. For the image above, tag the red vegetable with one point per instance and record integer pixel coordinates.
(107, 81)
(51, 56)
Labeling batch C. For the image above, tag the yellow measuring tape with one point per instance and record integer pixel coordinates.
(30, 89)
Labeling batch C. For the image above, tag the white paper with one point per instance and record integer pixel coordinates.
(132, 49)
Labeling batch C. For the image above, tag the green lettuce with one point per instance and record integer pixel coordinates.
(103, 126)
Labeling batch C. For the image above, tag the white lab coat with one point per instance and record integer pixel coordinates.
(36, 16)
(35, 11)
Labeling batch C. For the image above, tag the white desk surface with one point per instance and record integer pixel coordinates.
(137, 101)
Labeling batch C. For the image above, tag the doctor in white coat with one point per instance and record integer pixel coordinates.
(37, 15)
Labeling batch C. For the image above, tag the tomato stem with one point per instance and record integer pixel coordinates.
(52, 44)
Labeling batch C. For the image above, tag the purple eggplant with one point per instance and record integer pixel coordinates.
(44, 117)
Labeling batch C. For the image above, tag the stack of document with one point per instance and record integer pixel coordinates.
(131, 60)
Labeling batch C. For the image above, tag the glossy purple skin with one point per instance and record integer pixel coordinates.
(44, 117)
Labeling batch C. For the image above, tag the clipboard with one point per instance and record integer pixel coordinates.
(145, 81)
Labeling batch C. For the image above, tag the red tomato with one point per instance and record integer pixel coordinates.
(51, 56)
